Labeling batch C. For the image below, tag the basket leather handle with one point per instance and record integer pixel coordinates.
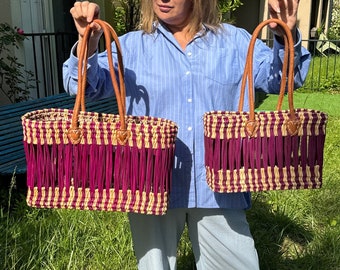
(75, 133)
(293, 123)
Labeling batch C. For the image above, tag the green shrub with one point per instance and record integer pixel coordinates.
(15, 81)
(324, 74)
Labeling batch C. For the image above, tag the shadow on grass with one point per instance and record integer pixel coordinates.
(260, 97)
(34, 238)
(18, 188)
(280, 242)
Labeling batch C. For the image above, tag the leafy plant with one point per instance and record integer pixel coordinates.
(324, 74)
(15, 81)
(126, 13)
(334, 31)
(226, 7)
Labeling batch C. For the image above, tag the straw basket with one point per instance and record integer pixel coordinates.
(96, 161)
(259, 151)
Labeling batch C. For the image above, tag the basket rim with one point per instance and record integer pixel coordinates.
(150, 120)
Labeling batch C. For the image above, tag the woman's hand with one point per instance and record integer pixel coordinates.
(83, 14)
(285, 10)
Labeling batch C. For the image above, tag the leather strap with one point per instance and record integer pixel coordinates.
(288, 66)
(75, 132)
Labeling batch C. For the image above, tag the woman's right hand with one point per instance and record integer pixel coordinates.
(83, 14)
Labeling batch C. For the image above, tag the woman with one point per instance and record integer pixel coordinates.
(182, 63)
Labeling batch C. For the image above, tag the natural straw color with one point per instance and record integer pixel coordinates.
(97, 161)
(258, 151)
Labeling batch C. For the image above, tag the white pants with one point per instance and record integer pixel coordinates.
(220, 239)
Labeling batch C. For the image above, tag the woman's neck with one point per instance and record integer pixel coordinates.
(183, 39)
(181, 34)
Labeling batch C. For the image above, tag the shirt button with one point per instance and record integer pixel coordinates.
(187, 73)
(189, 54)
(189, 100)
(189, 128)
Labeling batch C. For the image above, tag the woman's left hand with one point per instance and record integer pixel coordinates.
(285, 10)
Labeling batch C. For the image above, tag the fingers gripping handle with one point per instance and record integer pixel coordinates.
(75, 132)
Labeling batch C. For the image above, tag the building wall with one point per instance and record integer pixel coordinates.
(4, 8)
(5, 16)
(304, 19)
(41, 16)
(254, 11)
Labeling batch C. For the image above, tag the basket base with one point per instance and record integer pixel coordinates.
(106, 200)
(272, 178)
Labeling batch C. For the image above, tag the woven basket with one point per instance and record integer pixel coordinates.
(259, 151)
(96, 161)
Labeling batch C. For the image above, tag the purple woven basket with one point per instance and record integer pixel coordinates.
(95, 161)
(259, 151)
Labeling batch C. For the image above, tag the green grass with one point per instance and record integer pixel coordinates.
(324, 73)
(63, 239)
(292, 229)
(301, 229)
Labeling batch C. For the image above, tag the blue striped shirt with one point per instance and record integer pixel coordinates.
(163, 80)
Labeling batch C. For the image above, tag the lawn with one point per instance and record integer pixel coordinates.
(292, 229)
(301, 229)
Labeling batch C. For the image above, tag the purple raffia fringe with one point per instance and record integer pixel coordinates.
(272, 159)
(98, 173)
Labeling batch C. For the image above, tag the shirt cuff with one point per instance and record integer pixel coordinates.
(279, 48)
(92, 64)
(279, 41)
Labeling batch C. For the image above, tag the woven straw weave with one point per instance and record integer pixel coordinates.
(258, 151)
(97, 161)
(271, 159)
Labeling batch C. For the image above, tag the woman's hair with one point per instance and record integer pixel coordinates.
(203, 12)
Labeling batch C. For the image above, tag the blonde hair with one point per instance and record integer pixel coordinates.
(203, 12)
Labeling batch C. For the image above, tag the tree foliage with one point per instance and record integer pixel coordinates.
(226, 7)
(15, 82)
(334, 31)
(126, 13)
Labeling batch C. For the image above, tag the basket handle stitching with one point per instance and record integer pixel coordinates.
(252, 124)
(75, 133)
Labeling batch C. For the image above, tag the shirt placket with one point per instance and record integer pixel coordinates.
(190, 119)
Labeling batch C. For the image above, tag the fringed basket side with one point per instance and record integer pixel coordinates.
(271, 159)
(256, 151)
(98, 173)
(84, 160)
